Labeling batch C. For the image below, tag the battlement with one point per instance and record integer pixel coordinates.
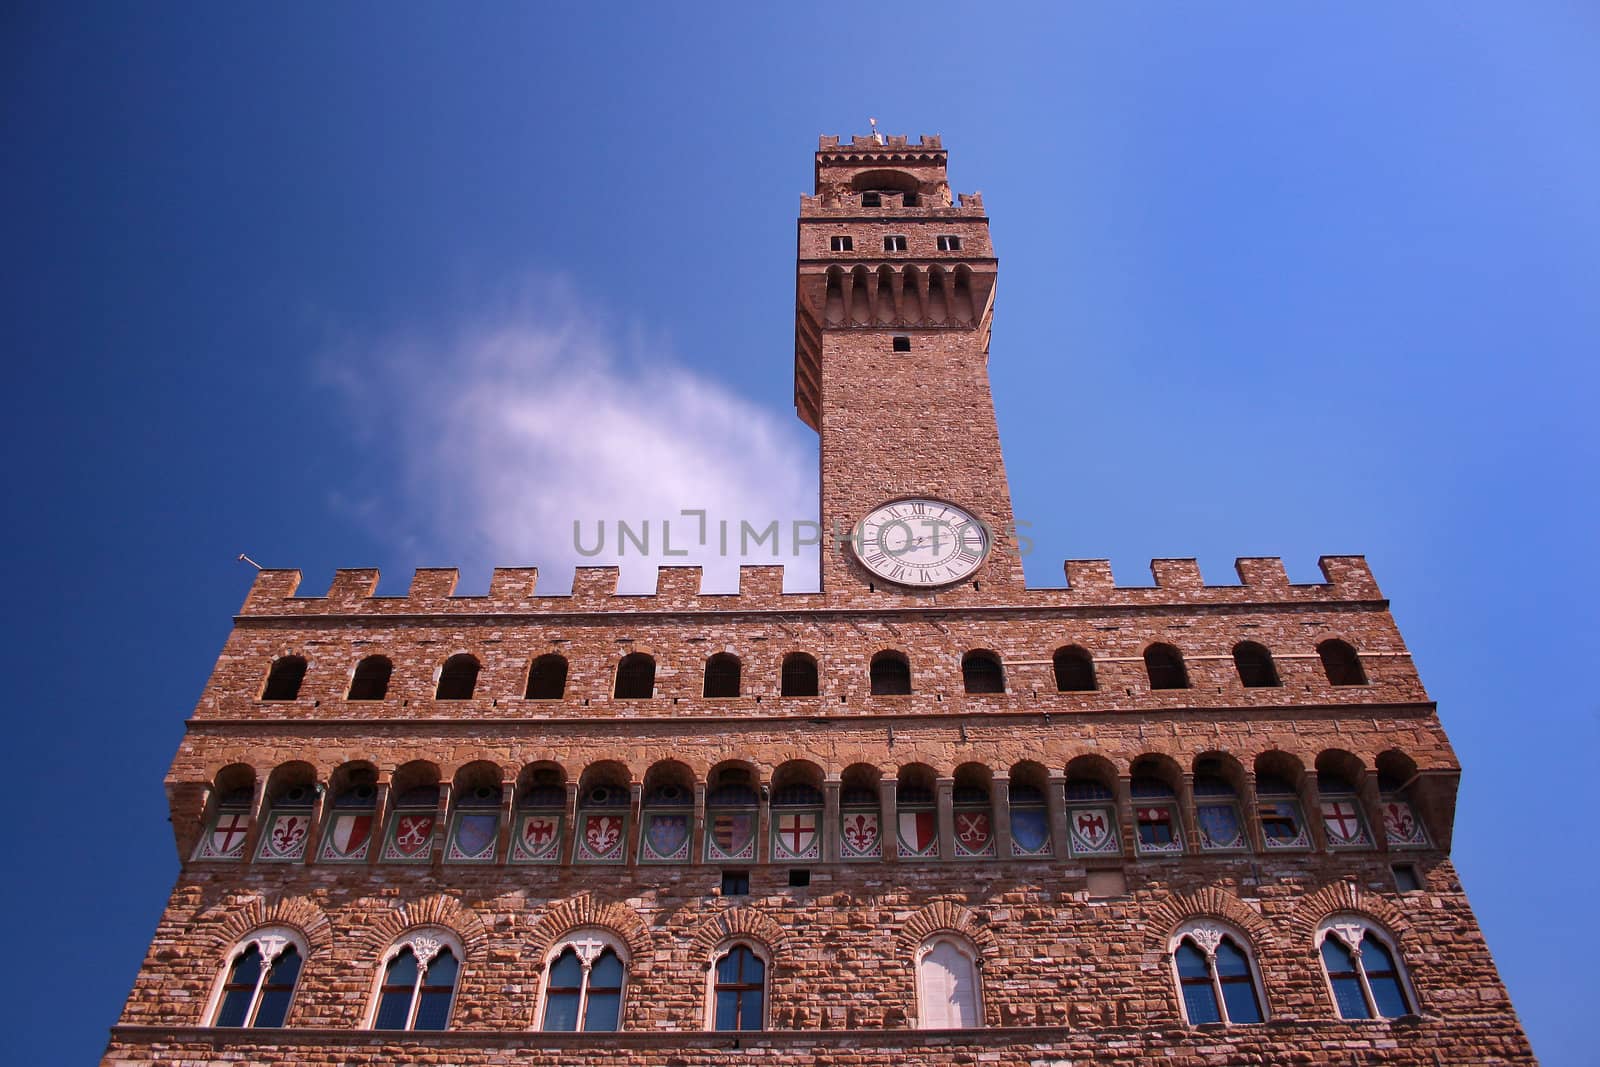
(513, 591)
(834, 203)
(856, 144)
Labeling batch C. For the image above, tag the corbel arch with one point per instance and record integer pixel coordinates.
(440, 910)
(1347, 897)
(740, 923)
(590, 910)
(1173, 912)
(234, 919)
(944, 916)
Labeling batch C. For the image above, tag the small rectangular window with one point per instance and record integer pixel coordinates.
(902, 344)
(894, 243)
(949, 242)
(1406, 879)
(871, 200)
(735, 883)
(799, 877)
(842, 244)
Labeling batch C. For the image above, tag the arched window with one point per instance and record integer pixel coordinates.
(584, 978)
(259, 984)
(348, 832)
(1256, 669)
(547, 678)
(636, 677)
(972, 812)
(1164, 665)
(1363, 970)
(891, 675)
(1074, 670)
(230, 822)
(731, 815)
(538, 821)
(1091, 809)
(1341, 663)
(947, 985)
(1343, 822)
(739, 989)
(412, 824)
(371, 680)
(1217, 809)
(286, 825)
(981, 673)
(799, 675)
(1155, 811)
(1279, 808)
(458, 679)
(1216, 977)
(283, 681)
(418, 983)
(722, 675)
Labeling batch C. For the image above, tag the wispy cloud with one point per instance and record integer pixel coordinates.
(526, 419)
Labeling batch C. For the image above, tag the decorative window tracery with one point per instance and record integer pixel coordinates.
(585, 977)
(418, 982)
(1216, 975)
(259, 984)
(1363, 970)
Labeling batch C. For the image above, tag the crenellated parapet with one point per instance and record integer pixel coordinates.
(1090, 584)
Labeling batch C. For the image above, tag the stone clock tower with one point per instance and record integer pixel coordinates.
(894, 302)
(925, 815)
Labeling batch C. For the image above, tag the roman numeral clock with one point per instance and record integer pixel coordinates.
(922, 542)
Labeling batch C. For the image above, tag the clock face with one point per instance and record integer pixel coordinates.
(922, 542)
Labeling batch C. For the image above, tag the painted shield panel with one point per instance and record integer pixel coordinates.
(474, 837)
(919, 833)
(1159, 832)
(732, 836)
(601, 838)
(858, 836)
(794, 836)
(1342, 821)
(1219, 827)
(226, 839)
(1030, 832)
(666, 837)
(1401, 825)
(538, 838)
(285, 838)
(1091, 832)
(411, 838)
(1281, 826)
(974, 833)
(347, 838)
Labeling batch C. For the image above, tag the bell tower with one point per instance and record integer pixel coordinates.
(894, 302)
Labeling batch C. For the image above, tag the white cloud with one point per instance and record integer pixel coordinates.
(534, 416)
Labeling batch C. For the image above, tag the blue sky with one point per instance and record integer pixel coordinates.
(397, 286)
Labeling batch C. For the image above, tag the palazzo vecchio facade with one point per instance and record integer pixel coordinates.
(926, 815)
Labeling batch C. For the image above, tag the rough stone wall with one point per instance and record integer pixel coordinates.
(1091, 973)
